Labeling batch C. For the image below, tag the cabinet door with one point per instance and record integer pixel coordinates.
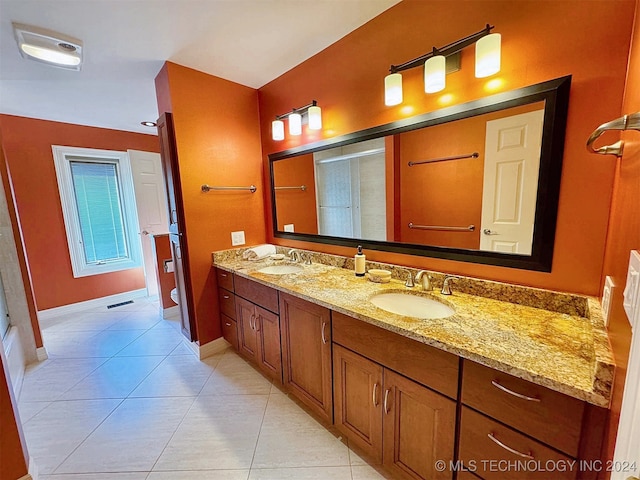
(306, 353)
(357, 390)
(268, 352)
(246, 317)
(419, 429)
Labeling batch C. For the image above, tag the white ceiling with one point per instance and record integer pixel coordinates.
(126, 42)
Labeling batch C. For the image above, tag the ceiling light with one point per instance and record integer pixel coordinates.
(149, 124)
(48, 47)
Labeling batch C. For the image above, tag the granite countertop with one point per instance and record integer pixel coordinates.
(566, 352)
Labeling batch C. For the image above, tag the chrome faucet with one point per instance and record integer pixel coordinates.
(425, 279)
(409, 283)
(294, 255)
(446, 285)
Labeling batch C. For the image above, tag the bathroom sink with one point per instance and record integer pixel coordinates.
(280, 269)
(411, 305)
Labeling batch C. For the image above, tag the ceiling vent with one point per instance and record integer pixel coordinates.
(50, 48)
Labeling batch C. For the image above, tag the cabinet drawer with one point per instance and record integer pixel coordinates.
(549, 416)
(227, 303)
(257, 293)
(230, 330)
(429, 366)
(225, 279)
(481, 452)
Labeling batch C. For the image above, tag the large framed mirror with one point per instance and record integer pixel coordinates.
(476, 182)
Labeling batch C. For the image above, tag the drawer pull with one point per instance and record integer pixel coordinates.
(223, 275)
(511, 392)
(227, 324)
(252, 322)
(324, 339)
(226, 297)
(386, 400)
(509, 449)
(375, 394)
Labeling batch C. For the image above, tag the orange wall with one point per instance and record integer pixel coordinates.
(296, 206)
(218, 142)
(446, 193)
(20, 250)
(14, 457)
(624, 229)
(27, 146)
(541, 40)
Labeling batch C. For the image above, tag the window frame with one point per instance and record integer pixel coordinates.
(63, 156)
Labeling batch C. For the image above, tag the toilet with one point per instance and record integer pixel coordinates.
(174, 295)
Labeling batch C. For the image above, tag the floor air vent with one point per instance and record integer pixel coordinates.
(120, 304)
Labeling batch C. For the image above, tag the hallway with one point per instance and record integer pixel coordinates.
(123, 397)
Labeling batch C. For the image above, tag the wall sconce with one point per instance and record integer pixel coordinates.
(312, 113)
(441, 61)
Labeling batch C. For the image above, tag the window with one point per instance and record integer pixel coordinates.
(98, 205)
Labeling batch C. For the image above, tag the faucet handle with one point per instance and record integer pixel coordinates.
(307, 258)
(409, 283)
(446, 285)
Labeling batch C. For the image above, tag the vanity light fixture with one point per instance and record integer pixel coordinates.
(48, 47)
(440, 61)
(311, 113)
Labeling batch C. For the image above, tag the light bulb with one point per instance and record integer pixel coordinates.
(295, 124)
(393, 89)
(315, 118)
(488, 55)
(277, 130)
(434, 74)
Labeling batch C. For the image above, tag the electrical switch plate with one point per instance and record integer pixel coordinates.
(632, 288)
(289, 227)
(607, 295)
(237, 238)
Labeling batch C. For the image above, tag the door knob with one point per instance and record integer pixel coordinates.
(486, 231)
(144, 232)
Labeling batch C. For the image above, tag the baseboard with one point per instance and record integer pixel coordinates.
(41, 353)
(15, 357)
(170, 312)
(204, 351)
(94, 303)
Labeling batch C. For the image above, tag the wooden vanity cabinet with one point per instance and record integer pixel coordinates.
(508, 418)
(392, 419)
(306, 353)
(226, 301)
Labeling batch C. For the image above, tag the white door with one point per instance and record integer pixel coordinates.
(151, 203)
(512, 161)
(627, 454)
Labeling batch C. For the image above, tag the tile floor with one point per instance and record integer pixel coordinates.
(122, 397)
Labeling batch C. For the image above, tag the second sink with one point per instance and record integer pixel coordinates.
(412, 305)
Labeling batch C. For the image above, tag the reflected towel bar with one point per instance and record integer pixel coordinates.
(626, 122)
(206, 188)
(470, 228)
(444, 159)
(301, 187)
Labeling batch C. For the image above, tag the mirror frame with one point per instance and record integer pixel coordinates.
(555, 94)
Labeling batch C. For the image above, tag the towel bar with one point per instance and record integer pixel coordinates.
(626, 122)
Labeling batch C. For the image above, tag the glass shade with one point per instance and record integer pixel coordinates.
(295, 124)
(488, 55)
(393, 89)
(277, 130)
(315, 118)
(434, 74)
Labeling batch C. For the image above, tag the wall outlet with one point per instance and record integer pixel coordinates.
(607, 295)
(631, 301)
(237, 238)
(289, 227)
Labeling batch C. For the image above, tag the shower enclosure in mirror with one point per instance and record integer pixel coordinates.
(474, 182)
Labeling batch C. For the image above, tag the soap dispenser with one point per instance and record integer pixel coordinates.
(359, 263)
